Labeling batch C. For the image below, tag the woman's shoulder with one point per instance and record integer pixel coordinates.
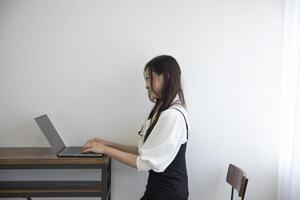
(178, 108)
(174, 111)
(178, 111)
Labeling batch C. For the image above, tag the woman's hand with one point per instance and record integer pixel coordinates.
(95, 147)
(98, 145)
(98, 140)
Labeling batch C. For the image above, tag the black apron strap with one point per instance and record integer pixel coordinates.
(187, 127)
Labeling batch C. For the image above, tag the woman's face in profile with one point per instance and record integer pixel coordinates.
(154, 91)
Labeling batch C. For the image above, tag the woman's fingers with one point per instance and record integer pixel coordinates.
(86, 149)
(89, 149)
(94, 147)
(87, 145)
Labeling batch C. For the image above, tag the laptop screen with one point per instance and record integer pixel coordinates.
(50, 133)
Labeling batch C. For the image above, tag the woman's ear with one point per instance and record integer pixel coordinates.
(167, 76)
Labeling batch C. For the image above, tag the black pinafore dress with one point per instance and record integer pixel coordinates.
(172, 184)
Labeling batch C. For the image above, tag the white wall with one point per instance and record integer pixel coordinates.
(81, 62)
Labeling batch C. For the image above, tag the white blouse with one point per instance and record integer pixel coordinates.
(164, 141)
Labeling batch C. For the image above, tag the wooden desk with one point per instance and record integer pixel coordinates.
(44, 158)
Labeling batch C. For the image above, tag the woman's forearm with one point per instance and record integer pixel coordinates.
(125, 148)
(123, 157)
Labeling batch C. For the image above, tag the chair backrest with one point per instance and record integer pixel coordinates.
(237, 178)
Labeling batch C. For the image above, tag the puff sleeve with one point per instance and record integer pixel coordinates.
(163, 143)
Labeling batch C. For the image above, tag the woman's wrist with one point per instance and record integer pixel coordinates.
(109, 144)
(106, 150)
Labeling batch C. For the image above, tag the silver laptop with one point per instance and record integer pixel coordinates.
(56, 142)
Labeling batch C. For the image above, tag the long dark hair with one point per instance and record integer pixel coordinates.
(168, 66)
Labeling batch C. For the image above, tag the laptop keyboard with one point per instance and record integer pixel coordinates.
(76, 151)
(72, 150)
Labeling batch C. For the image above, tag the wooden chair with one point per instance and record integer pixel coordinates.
(238, 180)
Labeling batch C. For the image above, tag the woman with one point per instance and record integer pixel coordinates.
(161, 149)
